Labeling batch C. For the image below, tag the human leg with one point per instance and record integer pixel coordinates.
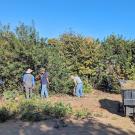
(81, 90)
(27, 92)
(77, 90)
(42, 90)
(30, 92)
(46, 91)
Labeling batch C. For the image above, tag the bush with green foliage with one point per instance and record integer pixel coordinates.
(10, 95)
(24, 49)
(61, 110)
(48, 109)
(28, 110)
(39, 110)
(93, 60)
(4, 114)
(83, 113)
(87, 87)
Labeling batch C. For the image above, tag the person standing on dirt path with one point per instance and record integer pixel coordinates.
(78, 85)
(28, 83)
(44, 82)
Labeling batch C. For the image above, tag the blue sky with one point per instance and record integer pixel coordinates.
(94, 18)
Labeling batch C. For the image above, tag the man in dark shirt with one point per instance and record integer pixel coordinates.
(44, 82)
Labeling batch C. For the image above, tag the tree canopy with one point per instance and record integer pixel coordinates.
(98, 63)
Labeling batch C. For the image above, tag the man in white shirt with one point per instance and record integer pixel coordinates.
(78, 86)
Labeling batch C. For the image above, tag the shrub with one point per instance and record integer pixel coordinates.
(48, 109)
(83, 113)
(110, 84)
(87, 87)
(27, 105)
(61, 110)
(30, 111)
(35, 112)
(4, 114)
(12, 107)
(10, 95)
(71, 53)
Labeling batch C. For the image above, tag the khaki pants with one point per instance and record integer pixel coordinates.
(28, 92)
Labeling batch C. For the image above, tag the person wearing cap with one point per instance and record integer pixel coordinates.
(78, 85)
(44, 82)
(28, 83)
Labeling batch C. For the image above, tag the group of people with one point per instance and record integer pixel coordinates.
(29, 83)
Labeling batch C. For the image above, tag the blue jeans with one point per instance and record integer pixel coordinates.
(79, 90)
(44, 90)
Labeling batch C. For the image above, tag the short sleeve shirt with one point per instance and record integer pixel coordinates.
(77, 79)
(44, 78)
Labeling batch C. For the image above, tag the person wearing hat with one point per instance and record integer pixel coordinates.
(44, 82)
(28, 82)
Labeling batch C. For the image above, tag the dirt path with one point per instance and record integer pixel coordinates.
(105, 119)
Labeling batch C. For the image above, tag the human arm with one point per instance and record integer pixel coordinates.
(75, 82)
(24, 79)
(33, 81)
(47, 78)
(38, 77)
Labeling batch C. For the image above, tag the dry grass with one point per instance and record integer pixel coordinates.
(129, 84)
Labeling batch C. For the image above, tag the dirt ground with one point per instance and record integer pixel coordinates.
(105, 119)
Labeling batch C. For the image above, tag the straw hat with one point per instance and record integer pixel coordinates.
(29, 70)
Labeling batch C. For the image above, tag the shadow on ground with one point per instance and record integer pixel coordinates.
(75, 127)
(112, 106)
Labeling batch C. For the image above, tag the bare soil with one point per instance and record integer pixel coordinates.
(105, 118)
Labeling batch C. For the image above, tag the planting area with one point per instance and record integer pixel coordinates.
(95, 114)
